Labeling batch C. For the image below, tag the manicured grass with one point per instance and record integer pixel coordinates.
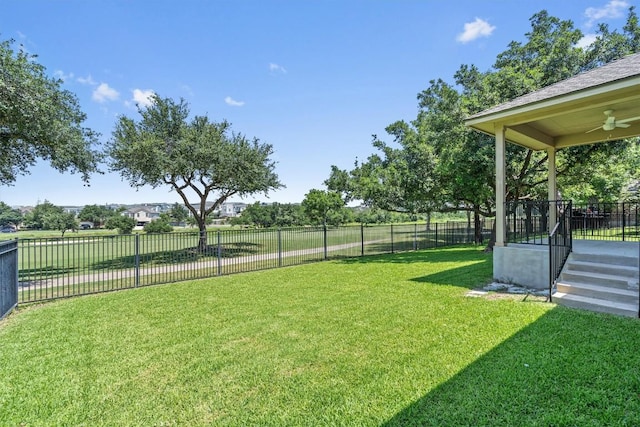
(383, 340)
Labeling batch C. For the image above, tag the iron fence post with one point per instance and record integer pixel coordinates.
(391, 238)
(624, 220)
(436, 235)
(324, 228)
(17, 277)
(279, 248)
(219, 252)
(361, 239)
(415, 236)
(137, 260)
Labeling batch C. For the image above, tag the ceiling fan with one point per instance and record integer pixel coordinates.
(611, 123)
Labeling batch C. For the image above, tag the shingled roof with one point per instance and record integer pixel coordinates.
(621, 69)
(568, 113)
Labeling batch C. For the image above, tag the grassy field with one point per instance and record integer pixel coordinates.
(383, 340)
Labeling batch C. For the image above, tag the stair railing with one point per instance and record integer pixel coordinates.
(560, 242)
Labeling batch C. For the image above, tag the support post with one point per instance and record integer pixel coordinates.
(553, 189)
(501, 187)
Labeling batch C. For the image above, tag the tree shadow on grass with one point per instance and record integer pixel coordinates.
(435, 255)
(468, 276)
(568, 367)
(182, 256)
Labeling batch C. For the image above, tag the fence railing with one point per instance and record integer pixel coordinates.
(8, 276)
(62, 267)
(528, 221)
(560, 246)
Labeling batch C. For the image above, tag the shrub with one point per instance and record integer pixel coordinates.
(123, 224)
(158, 226)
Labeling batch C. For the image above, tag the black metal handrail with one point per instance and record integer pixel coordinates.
(560, 244)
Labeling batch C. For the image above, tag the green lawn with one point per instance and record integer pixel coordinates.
(383, 340)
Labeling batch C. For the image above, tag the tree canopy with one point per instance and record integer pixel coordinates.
(9, 216)
(40, 120)
(196, 158)
(97, 214)
(318, 204)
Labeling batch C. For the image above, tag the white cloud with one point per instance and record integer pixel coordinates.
(586, 41)
(143, 98)
(104, 93)
(613, 9)
(186, 88)
(474, 30)
(59, 74)
(233, 102)
(275, 68)
(87, 80)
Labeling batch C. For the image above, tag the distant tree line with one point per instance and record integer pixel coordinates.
(47, 216)
(290, 215)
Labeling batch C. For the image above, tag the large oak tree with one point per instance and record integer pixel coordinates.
(40, 120)
(197, 158)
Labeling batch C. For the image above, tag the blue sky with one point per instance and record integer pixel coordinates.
(313, 78)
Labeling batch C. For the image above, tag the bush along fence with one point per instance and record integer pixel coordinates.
(52, 268)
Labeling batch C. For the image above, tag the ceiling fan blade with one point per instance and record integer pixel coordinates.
(622, 125)
(594, 129)
(630, 119)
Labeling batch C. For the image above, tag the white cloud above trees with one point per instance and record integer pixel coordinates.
(474, 30)
(87, 80)
(230, 101)
(275, 68)
(142, 98)
(104, 93)
(613, 9)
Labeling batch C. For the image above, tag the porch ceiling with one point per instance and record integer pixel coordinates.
(561, 114)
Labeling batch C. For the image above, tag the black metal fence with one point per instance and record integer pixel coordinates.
(528, 221)
(62, 267)
(8, 276)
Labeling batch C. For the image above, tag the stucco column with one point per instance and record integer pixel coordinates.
(553, 189)
(501, 187)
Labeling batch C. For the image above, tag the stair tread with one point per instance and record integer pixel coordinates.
(604, 264)
(601, 288)
(593, 274)
(596, 301)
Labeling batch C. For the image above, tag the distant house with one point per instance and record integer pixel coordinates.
(232, 209)
(142, 215)
(72, 209)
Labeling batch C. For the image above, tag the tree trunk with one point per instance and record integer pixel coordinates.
(492, 239)
(477, 226)
(202, 238)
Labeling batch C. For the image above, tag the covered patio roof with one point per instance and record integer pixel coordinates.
(566, 113)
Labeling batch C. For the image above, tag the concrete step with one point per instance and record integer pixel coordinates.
(603, 268)
(587, 277)
(595, 304)
(599, 292)
(628, 261)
